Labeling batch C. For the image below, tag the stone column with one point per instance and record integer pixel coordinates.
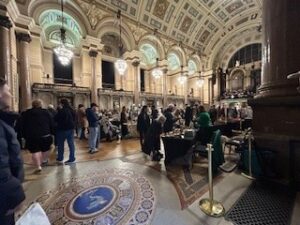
(137, 80)
(165, 91)
(94, 96)
(24, 70)
(5, 68)
(277, 106)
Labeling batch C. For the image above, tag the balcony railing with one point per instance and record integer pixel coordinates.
(59, 88)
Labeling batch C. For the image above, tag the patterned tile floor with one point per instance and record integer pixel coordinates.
(168, 209)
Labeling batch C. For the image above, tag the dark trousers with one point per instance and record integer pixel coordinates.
(61, 136)
(142, 138)
(7, 220)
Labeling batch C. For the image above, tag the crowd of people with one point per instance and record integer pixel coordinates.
(38, 129)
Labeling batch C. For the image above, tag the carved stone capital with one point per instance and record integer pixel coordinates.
(5, 22)
(93, 53)
(136, 63)
(23, 37)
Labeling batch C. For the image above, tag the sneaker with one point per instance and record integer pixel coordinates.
(38, 170)
(59, 162)
(45, 163)
(69, 162)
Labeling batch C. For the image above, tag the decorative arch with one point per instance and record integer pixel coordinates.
(180, 53)
(238, 36)
(37, 8)
(50, 21)
(234, 49)
(109, 25)
(154, 41)
(149, 53)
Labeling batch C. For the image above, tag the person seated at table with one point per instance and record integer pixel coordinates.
(204, 125)
(111, 131)
(152, 139)
(170, 119)
(203, 118)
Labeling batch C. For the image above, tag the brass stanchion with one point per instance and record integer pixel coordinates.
(249, 176)
(209, 206)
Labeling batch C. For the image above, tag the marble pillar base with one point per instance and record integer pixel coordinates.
(276, 125)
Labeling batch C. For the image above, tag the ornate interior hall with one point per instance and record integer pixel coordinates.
(232, 62)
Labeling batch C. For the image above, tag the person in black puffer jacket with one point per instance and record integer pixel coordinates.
(37, 129)
(11, 164)
(65, 120)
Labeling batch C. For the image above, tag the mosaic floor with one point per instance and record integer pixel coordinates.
(104, 197)
(127, 192)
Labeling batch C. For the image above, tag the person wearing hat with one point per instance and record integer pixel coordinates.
(93, 119)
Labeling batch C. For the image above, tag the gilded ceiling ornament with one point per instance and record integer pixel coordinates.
(137, 32)
(92, 12)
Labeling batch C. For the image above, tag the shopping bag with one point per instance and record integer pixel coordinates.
(34, 215)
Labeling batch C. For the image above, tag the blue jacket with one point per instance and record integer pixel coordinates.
(11, 169)
(92, 117)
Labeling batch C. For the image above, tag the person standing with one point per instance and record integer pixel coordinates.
(82, 122)
(11, 164)
(170, 120)
(188, 115)
(93, 120)
(65, 120)
(143, 123)
(152, 138)
(37, 129)
(213, 113)
(124, 121)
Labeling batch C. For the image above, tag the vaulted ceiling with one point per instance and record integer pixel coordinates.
(205, 26)
(200, 24)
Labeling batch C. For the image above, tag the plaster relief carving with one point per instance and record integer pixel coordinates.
(93, 13)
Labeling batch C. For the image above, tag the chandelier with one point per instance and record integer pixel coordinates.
(157, 72)
(120, 64)
(200, 81)
(183, 78)
(63, 54)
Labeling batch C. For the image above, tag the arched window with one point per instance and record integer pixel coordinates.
(173, 62)
(192, 67)
(149, 54)
(247, 54)
(237, 80)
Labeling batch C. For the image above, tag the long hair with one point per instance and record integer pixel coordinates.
(65, 102)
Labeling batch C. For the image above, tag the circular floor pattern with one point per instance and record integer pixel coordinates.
(107, 197)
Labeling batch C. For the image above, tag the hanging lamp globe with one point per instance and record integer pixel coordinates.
(182, 79)
(64, 55)
(157, 73)
(200, 82)
(121, 66)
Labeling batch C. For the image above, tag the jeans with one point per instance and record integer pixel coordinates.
(81, 132)
(93, 136)
(61, 136)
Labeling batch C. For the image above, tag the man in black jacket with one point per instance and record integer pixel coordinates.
(37, 129)
(11, 164)
(65, 120)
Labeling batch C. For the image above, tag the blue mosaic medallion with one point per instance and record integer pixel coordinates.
(113, 196)
(92, 201)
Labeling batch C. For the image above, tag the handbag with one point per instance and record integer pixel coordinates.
(34, 215)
